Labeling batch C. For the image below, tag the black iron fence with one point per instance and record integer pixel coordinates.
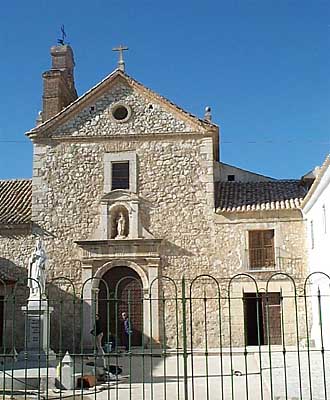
(201, 338)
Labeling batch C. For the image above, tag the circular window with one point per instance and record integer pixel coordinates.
(121, 112)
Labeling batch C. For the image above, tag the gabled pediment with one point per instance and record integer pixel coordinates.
(119, 195)
(92, 114)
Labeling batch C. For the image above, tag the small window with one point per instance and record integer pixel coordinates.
(230, 178)
(121, 112)
(120, 171)
(312, 235)
(120, 175)
(261, 249)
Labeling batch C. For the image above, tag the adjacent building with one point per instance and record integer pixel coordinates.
(316, 206)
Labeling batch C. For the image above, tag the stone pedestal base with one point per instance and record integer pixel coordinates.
(37, 341)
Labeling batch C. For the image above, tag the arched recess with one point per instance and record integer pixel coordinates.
(114, 213)
(126, 295)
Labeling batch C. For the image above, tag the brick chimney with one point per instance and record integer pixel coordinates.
(59, 90)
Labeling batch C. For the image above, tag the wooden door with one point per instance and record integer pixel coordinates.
(271, 305)
(262, 318)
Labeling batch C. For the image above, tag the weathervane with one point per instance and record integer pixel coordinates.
(121, 63)
(62, 40)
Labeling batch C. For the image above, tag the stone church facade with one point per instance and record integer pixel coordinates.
(126, 183)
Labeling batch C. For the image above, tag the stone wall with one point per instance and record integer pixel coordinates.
(175, 185)
(15, 250)
(290, 247)
(147, 116)
(172, 181)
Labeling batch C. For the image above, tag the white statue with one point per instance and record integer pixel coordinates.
(37, 271)
(121, 224)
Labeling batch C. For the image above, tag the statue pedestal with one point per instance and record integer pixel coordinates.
(35, 365)
(37, 333)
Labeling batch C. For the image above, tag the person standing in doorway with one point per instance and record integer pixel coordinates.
(98, 333)
(126, 330)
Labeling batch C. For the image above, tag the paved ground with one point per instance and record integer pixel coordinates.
(212, 378)
(310, 381)
(228, 376)
(234, 377)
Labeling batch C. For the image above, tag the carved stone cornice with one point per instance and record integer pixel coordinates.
(130, 249)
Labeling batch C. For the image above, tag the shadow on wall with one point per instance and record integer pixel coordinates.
(64, 321)
(70, 319)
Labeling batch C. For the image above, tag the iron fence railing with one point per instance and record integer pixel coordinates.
(202, 338)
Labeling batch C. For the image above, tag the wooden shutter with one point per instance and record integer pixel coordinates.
(271, 305)
(261, 249)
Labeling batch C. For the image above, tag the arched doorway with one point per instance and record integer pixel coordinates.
(129, 299)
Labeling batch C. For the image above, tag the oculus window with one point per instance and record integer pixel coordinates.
(121, 112)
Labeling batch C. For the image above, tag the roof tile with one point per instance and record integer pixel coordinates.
(255, 196)
(15, 201)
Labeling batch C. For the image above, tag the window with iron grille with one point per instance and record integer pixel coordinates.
(261, 249)
(120, 175)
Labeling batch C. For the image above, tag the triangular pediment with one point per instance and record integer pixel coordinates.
(92, 114)
(119, 195)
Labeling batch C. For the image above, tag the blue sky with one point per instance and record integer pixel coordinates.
(263, 66)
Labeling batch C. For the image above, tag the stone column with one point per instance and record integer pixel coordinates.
(154, 294)
(87, 273)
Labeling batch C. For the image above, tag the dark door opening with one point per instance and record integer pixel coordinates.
(253, 317)
(262, 318)
(129, 300)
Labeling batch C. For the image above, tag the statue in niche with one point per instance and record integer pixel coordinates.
(121, 226)
(37, 272)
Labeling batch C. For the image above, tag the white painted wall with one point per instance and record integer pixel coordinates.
(316, 210)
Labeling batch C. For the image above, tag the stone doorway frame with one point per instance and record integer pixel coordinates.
(92, 287)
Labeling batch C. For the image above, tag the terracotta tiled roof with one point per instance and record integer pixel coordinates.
(256, 196)
(15, 201)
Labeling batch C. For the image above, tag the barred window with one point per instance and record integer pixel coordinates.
(261, 249)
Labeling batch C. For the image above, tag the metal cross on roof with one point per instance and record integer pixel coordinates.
(121, 63)
(62, 40)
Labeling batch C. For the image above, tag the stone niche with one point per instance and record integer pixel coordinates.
(118, 222)
(120, 215)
